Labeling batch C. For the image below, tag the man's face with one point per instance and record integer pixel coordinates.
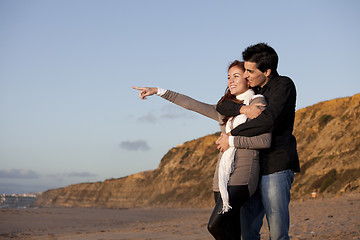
(254, 76)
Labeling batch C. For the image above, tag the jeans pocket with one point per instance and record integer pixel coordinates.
(291, 175)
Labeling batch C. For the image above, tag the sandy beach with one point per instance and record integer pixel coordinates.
(336, 218)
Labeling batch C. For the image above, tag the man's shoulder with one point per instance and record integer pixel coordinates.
(284, 80)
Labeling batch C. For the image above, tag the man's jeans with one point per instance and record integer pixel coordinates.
(272, 198)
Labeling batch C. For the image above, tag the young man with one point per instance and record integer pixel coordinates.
(280, 161)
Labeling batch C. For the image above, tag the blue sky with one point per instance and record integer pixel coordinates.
(69, 115)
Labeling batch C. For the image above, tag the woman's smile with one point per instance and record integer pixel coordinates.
(236, 82)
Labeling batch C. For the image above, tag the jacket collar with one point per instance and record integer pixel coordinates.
(271, 82)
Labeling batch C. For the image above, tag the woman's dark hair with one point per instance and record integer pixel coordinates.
(228, 96)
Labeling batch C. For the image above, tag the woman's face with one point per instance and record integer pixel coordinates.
(236, 82)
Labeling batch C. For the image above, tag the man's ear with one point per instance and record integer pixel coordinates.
(267, 72)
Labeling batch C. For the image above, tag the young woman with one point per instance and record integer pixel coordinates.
(237, 171)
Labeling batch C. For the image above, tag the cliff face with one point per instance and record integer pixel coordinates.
(183, 179)
(328, 145)
(328, 135)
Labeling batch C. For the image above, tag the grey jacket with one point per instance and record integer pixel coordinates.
(247, 168)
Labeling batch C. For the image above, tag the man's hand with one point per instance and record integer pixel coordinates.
(252, 111)
(146, 91)
(223, 142)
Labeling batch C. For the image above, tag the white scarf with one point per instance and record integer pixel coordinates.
(226, 165)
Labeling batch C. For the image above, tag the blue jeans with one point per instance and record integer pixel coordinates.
(272, 198)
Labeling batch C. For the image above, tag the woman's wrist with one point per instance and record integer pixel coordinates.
(160, 91)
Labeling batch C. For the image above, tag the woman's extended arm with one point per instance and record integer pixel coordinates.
(184, 101)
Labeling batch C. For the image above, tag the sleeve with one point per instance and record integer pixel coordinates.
(191, 104)
(160, 91)
(257, 142)
(281, 96)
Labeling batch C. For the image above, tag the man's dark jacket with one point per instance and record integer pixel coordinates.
(278, 118)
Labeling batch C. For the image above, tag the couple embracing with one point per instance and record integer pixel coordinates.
(255, 170)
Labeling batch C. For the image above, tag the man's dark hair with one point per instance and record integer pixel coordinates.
(263, 55)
